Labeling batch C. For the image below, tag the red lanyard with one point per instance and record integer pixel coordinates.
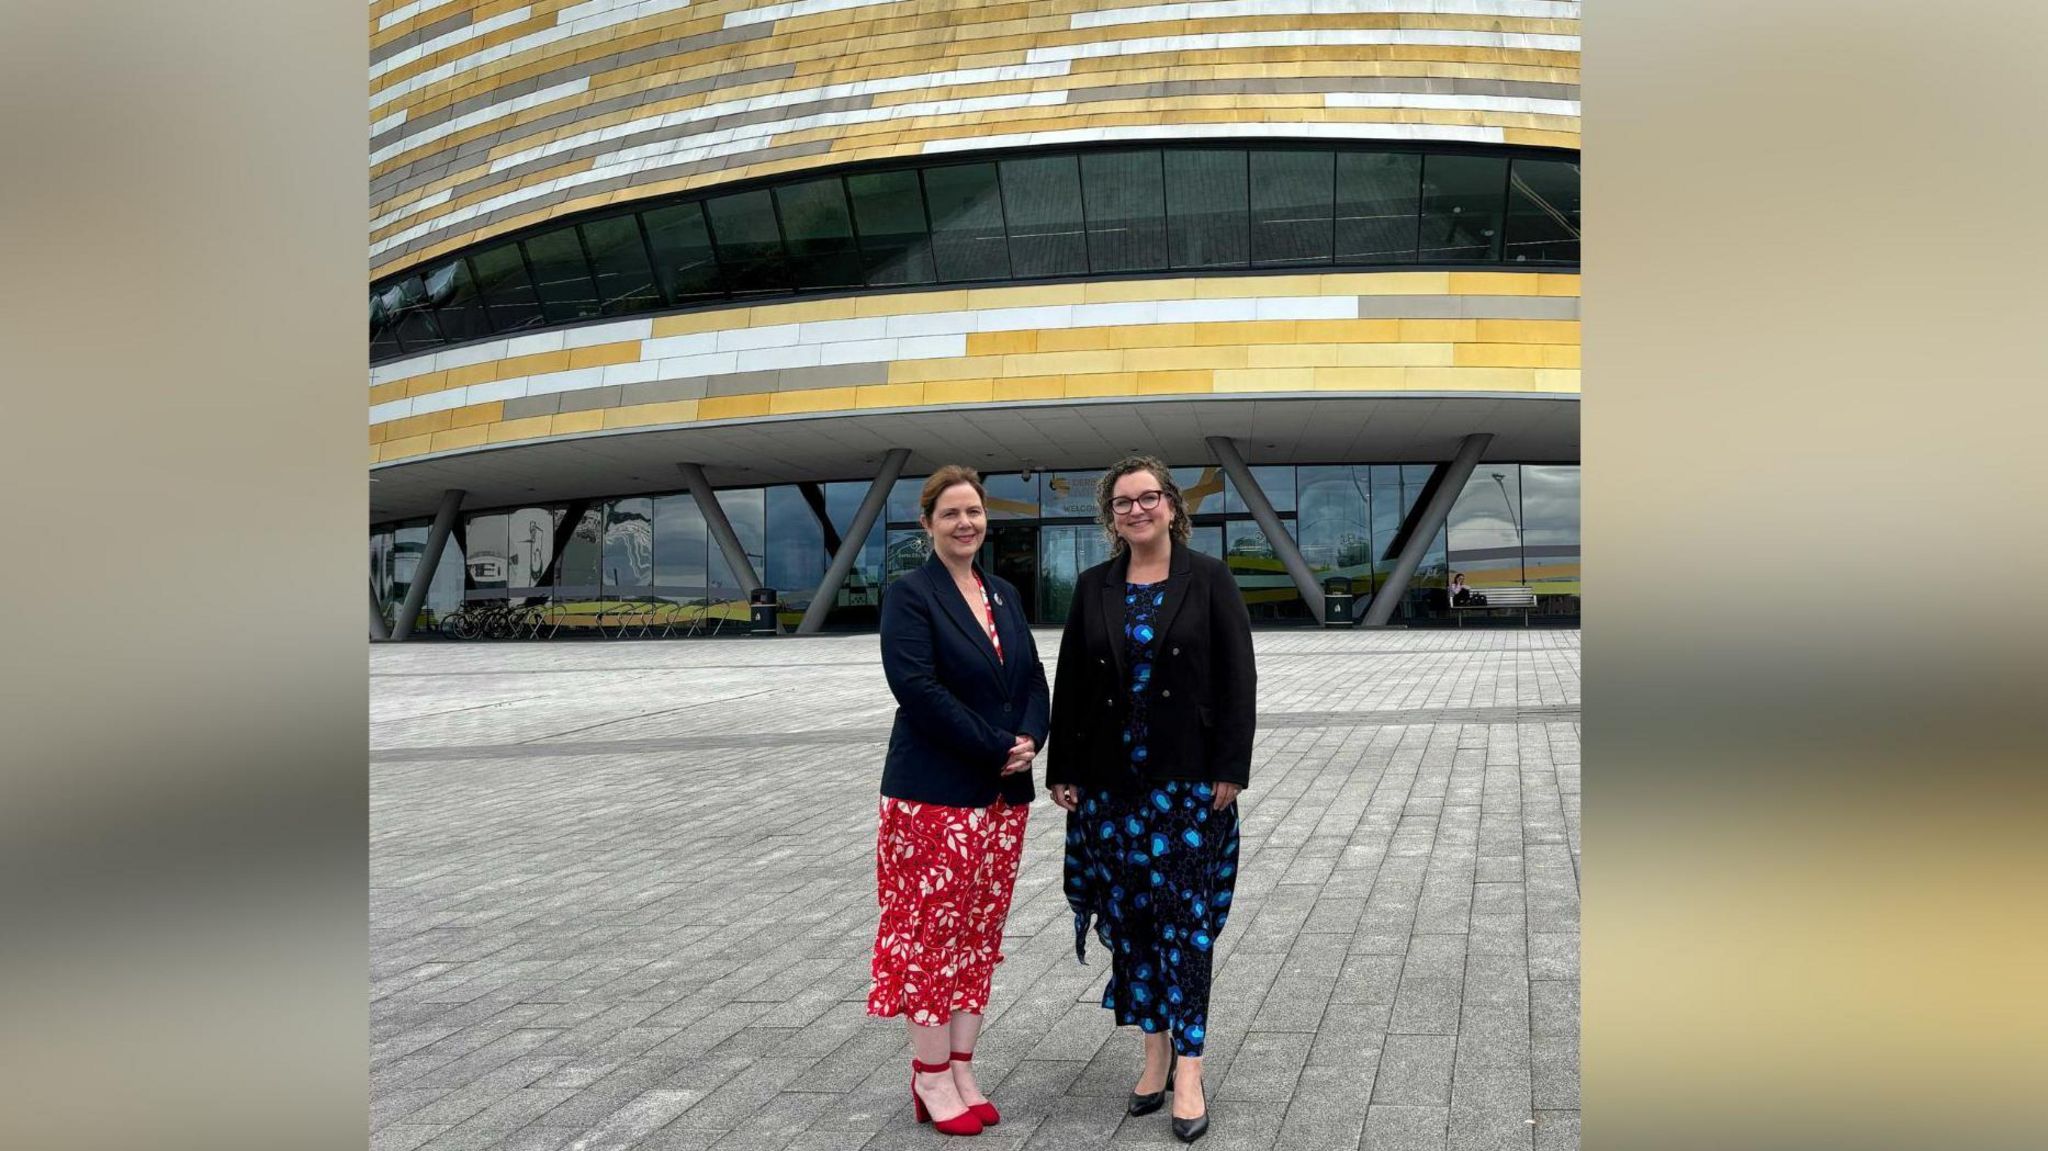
(988, 608)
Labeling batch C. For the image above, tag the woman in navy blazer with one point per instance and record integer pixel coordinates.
(973, 710)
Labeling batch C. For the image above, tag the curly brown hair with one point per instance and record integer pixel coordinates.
(1105, 490)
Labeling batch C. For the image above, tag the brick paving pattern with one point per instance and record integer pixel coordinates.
(622, 896)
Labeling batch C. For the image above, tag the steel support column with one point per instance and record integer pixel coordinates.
(1434, 513)
(1268, 520)
(849, 546)
(423, 575)
(721, 527)
(379, 628)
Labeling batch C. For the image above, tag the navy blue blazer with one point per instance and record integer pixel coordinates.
(959, 709)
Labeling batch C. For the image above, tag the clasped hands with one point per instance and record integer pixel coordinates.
(1021, 754)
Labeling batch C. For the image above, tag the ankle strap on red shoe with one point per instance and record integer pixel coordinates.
(929, 1068)
(963, 1056)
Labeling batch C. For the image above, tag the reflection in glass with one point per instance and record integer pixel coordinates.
(1334, 526)
(744, 508)
(1057, 572)
(1069, 494)
(795, 547)
(1112, 211)
(819, 232)
(1042, 202)
(459, 309)
(444, 593)
(407, 300)
(582, 557)
(407, 542)
(1485, 528)
(1201, 489)
(1426, 589)
(1091, 547)
(683, 259)
(888, 212)
(508, 293)
(629, 546)
(484, 542)
(1550, 532)
(749, 244)
(1011, 496)
(1291, 197)
(1276, 481)
(903, 497)
(1396, 490)
(380, 571)
(1378, 197)
(1269, 592)
(859, 595)
(680, 542)
(1126, 209)
(1511, 524)
(905, 550)
(1462, 202)
(1206, 214)
(530, 545)
(561, 275)
(1543, 212)
(625, 283)
(967, 222)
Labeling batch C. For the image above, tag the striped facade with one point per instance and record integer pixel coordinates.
(485, 118)
(489, 120)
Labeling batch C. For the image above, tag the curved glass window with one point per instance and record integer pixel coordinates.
(618, 261)
(1042, 205)
(1206, 220)
(1125, 197)
(888, 212)
(818, 232)
(1182, 210)
(966, 207)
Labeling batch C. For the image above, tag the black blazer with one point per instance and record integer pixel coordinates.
(959, 709)
(1204, 700)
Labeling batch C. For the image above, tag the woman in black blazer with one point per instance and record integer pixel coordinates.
(1154, 707)
(956, 792)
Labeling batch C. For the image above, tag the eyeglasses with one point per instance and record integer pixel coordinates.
(1122, 505)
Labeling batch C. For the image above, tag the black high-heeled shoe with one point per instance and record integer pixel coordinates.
(1148, 1103)
(1189, 1130)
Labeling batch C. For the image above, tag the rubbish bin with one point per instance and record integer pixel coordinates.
(765, 607)
(1337, 602)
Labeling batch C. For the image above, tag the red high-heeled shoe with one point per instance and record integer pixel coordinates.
(965, 1123)
(986, 1112)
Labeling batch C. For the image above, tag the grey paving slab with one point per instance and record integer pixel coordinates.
(622, 896)
(1415, 1069)
(1404, 1128)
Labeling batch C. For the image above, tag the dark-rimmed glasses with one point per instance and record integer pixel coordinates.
(1122, 505)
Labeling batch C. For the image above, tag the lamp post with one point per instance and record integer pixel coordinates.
(1513, 517)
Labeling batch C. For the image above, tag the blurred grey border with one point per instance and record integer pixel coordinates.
(1813, 737)
(184, 955)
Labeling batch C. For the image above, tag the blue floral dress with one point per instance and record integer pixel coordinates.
(1152, 866)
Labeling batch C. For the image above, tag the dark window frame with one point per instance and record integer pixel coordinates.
(922, 166)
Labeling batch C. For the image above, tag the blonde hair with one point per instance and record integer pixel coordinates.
(1105, 491)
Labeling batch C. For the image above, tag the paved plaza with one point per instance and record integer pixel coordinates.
(622, 895)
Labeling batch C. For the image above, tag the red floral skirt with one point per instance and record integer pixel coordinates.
(944, 877)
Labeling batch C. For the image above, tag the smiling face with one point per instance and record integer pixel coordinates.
(1141, 527)
(957, 522)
